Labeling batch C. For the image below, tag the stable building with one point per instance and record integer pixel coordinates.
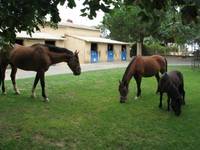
(87, 40)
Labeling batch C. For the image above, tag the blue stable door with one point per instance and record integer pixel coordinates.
(110, 55)
(123, 55)
(94, 56)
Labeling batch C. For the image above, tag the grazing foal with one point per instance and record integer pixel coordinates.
(172, 83)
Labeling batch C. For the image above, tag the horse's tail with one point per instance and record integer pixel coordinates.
(166, 64)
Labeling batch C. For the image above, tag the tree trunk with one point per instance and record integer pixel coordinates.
(139, 48)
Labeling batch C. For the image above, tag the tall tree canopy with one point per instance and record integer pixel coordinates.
(189, 8)
(27, 15)
(18, 15)
(158, 18)
(126, 24)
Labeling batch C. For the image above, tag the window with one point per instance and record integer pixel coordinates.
(110, 47)
(19, 41)
(50, 42)
(94, 46)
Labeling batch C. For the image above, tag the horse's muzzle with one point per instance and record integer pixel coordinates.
(77, 73)
(177, 113)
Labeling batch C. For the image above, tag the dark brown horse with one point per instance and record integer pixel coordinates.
(172, 83)
(38, 58)
(141, 66)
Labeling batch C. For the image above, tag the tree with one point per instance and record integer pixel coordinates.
(173, 31)
(126, 24)
(27, 15)
(188, 8)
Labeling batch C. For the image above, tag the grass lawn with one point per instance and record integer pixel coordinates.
(84, 113)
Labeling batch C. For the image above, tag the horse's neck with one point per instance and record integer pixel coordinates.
(128, 73)
(127, 76)
(58, 57)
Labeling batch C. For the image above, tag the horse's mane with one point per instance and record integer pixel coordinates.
(128, 68)
(56, 49)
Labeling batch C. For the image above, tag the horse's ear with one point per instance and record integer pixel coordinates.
(76, 52)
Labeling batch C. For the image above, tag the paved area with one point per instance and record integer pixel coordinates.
(62, 68)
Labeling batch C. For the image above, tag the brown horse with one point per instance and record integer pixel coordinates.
(141, 66)
(38, 58)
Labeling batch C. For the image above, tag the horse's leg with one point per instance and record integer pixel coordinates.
(158, 79)
(13, 75)
(138, 80)
(34, 85)
(168, 102)
(161, 95)
(42, 82)
(3, 72)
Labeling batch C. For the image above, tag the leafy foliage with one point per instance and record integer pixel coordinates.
(126, 24)
(189, 8)
(153, 48)
(132, 23)
(27, 15)
(173, 31)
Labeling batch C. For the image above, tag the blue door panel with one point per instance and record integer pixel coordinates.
(110, 55)
(123, 55)
(94, 56)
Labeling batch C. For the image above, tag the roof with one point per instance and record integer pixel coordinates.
(39, 35)
(69, 24)
(98, 40)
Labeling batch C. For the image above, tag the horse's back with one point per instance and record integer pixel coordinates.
(149, 65)
(29, 57)
(176, 77)
(160, 62)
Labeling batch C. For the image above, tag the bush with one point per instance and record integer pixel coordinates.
(153, 48)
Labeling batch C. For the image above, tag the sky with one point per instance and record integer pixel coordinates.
(74, 15)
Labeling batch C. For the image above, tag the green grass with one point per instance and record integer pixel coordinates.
(84, 113)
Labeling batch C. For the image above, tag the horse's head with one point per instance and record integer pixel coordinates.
(74, 64)
(123, 90)
(176, 105)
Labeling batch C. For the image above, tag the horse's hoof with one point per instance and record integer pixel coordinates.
(46, 99)
(33, 96)
(17, 92)
(4, 93)
(136, 98)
